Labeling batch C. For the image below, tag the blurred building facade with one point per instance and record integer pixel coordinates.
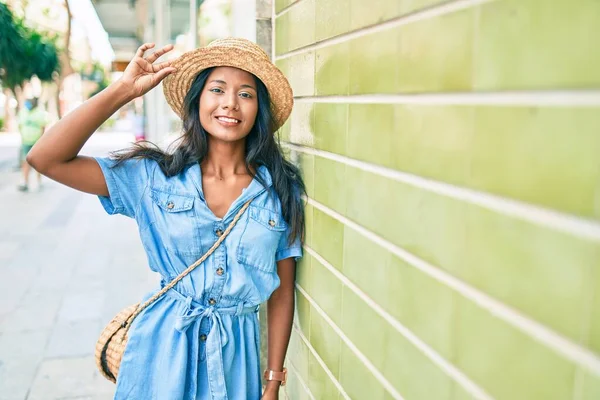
(450, 151)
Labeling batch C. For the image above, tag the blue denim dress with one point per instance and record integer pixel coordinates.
(201, 340)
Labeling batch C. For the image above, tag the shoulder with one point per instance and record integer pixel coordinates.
(293, 188)
(133, 168)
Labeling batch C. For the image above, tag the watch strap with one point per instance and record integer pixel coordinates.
(281, 376)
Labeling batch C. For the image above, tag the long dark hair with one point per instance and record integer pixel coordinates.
(262, 148)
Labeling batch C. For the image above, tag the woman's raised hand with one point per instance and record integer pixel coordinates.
(141, 75)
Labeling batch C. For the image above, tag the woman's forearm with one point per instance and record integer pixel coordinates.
(64, 140)
(280, 315)
(280, 310)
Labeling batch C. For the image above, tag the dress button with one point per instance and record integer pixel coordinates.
(170, 205)
(271, 222)
(203, 337)
(220, 271)
(219, 232)
(212, 302)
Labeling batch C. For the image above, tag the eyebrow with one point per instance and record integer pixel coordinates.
(225, 83)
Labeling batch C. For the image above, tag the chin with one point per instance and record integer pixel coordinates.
(229, 136)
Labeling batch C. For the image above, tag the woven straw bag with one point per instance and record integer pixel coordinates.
(113, 339)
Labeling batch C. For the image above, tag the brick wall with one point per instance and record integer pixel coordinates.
(452, 156)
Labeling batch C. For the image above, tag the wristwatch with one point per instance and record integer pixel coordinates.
(271, 375)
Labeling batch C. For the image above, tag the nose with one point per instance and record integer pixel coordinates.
(230, 101)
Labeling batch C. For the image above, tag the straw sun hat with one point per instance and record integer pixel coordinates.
(230, 52)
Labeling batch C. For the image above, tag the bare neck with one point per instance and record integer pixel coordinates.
(225, 159)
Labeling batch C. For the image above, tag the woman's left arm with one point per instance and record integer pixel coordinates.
(280, 314)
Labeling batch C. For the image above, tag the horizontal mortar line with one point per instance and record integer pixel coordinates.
(287, 9)
(376, 373)
(553, 340)
(321, 362)
(579, 98)
(435, 11)
(580, 227)
(450, 370)
(304, 385)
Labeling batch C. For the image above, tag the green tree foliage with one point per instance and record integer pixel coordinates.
(97, 75)
(42, 49)
(24, 52)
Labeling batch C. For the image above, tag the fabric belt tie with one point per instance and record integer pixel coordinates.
(215, 340)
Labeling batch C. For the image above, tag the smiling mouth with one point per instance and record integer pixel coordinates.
(228, 120)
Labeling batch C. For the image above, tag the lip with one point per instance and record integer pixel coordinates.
(228, 116)
(225, 123)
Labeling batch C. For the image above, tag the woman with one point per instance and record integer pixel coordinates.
(200, 340)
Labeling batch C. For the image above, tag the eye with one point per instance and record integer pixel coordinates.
(216, 90)
(246, 95)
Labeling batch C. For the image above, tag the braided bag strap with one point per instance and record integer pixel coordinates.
(126, 324)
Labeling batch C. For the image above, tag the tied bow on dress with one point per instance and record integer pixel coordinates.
(216, 338)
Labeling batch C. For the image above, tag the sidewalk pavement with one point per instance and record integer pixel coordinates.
(66, 268)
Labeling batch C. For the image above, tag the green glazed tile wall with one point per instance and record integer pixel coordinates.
(282, 4)
(453, 228)
(559, 31)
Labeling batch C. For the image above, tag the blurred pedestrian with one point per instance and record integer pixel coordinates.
(220, 215)
(32, 123)
(137, 124)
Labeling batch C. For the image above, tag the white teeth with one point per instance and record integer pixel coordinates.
(225, 119)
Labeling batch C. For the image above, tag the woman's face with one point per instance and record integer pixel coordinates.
(228, 104)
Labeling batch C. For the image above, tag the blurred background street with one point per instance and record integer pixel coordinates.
(64, 273)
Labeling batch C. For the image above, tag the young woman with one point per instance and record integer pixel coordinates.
(201, 339)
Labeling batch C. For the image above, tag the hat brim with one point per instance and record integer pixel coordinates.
(190, 64)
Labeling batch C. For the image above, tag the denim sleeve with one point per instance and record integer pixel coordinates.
(126, 184)
(285, 250)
